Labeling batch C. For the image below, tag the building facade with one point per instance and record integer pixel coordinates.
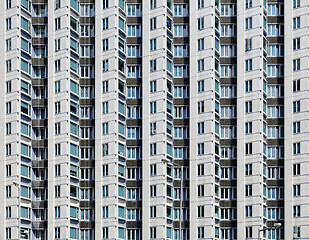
(154, 119)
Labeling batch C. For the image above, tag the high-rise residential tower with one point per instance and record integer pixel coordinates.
(154, 119)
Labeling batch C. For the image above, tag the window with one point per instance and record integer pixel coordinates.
(57, 23)
(25, 108)
(200, 23)
(275, 91)
(25, 171)
(248, 65)
(201, 128)
(57, 107)
(200, 44)
(105, 233)
(296, 148)
(8, 23)
(275, 172)
(274, 9)
(153, 44)
(228, 91)
(57, 44)
(153, 211)
(57, 191)
(228, 51)
(296, 169)
(25, 66)
(228, 71)
(8, 44)
(200, 4)
(249, 232)
(296, 43)
(153, 170)
(248, 190)
(8, 65)
(296, 190)
(201, 211)
(8, 191)
(296, 127)
(296, 23)
(228, 10)
(248, 127)
(105, 66)
(248, 148)
(57, 149)
(275, 152)
(8, 107)
(228, 111)
(181, 30)
(25, 24)
(248, 44)
(248, 22)
(104, 107)
(153, 191)
(105, 170)
(153, 232)
(8, 4)
(153, 23)
(73, 231)
(200, 190)
(248, 169)
(248, 3)
(296, 232)
(228, 30)
(275, 50)
(296, 64)
(200, 148)
(153, 128)
(200, 232)
(275, 29)
(296, 211)
(153, 107)
(296, 85)
(57, 170)
(40, 31)
(180, 9)
(153, 149)
(201, 86)
(153, 65)
(8, 170)
(181, 71)
(8, 128)
(57, 65)
(57, 232)
(296, 106)
(134, 30)
(153, 86)
(181, 51)
(275, 132)
(248, 211)
(275, 111)
(105, 44)
(296, 3)
(200, 169)
(105, 191)
(200, 65)
(248, 107)
(57, 4)
(105, 4)
(200, 107)
(105, 23)
(8, 212)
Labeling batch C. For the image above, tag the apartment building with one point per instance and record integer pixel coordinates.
(154, 119)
